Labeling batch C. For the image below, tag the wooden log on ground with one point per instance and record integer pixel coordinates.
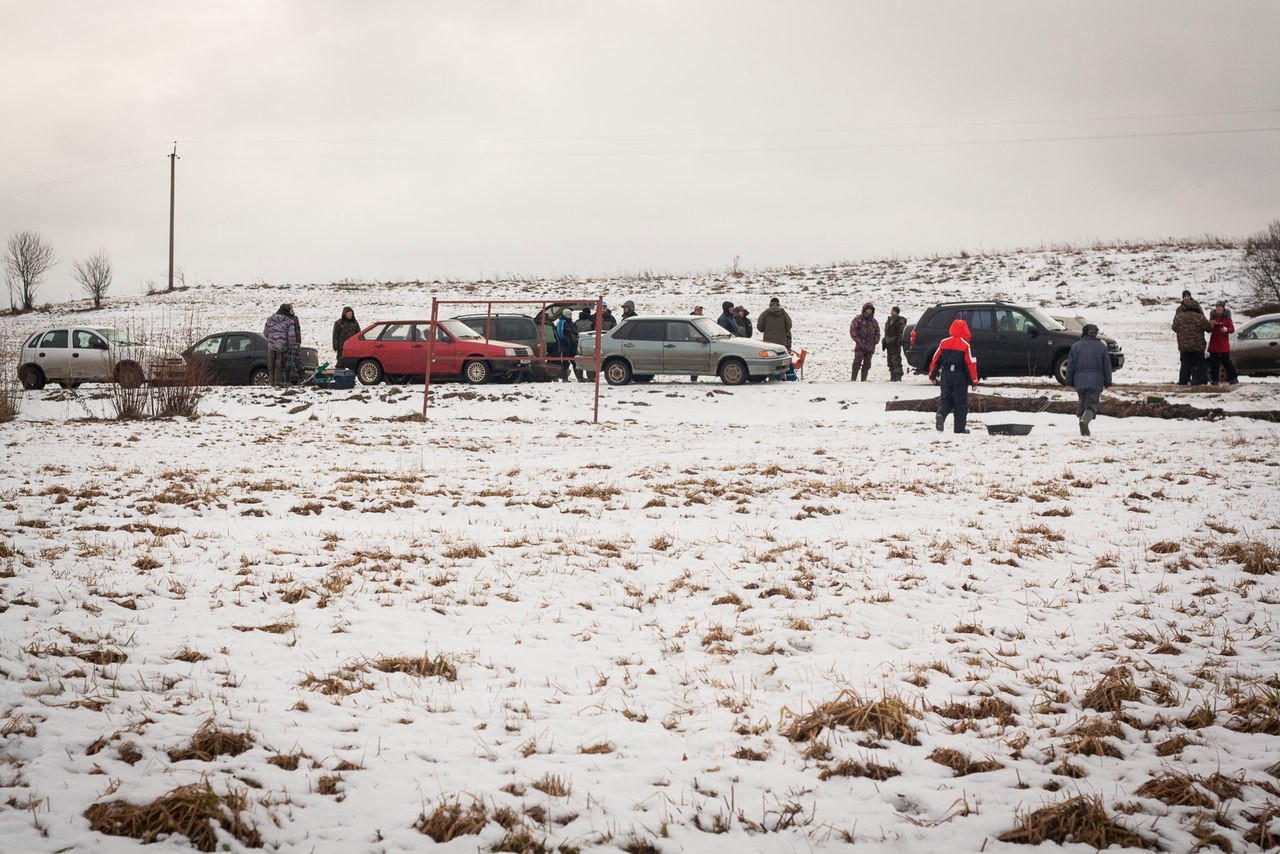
(1112, 408)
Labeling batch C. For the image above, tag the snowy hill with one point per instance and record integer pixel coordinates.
(770, 617)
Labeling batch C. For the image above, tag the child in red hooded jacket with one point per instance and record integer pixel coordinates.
(954, 370)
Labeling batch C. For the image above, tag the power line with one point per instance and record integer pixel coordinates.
(74, 179)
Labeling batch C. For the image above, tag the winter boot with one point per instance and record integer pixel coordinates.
(1085, 418)
(939, 421)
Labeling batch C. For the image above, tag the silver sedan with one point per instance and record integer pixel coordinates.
(643, 347)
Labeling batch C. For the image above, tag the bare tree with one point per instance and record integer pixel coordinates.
(1262, 264)
(27, 258)
(94, 275)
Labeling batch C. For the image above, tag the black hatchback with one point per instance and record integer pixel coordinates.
(521, 329)
(238, 358)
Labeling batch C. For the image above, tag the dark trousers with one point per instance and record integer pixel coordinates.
(894, 352)
(1088, 398)
(1220, 363)
(861, 363)
(276, 366)
(1192, 370)
(954, 398)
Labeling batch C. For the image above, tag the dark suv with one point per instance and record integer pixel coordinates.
(1007, 340)
(521, 329)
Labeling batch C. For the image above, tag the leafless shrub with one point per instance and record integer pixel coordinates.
(189, 810)
(94, 276)
(10, 387)
(28, 257)
(1080, 819)
(1261, 265)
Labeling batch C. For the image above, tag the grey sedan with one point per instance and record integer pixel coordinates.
(1256, 352)
(643, 347)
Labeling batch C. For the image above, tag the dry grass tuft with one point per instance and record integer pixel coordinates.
(961, 764)
(270, 628)
(1256, 712)
(210, 742)
(449, 820)
(520, 840)
(987, 707)
(1266, 829)
(286, 761)
(189, 655)
(460, 552)
(553, 785)
(1080, 819)
(1112, 691)
(340, 683)
(889, 717)
(1255, 558)
(189, 810)
(1176, 790)
(1089, 738)
(853, 768)
(422, 666)
(600, 747)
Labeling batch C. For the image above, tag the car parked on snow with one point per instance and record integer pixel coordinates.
(397, 350)
(642, 347)
(1075, 324)
(71, 355)
(237, 358)
(525, 331)
(1256, 351)
(1007, 340)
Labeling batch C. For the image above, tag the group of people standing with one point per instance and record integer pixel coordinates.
(1190, 326)
(865, 332)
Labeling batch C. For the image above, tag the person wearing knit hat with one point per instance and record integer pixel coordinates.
(1190, 325)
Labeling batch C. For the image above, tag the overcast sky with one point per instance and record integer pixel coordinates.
(423, 140)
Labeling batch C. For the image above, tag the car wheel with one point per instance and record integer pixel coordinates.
(68, 384)
(733, 372)
(617, 372)
(32, 377)
(1060, 369)
(260, 376)
(475, 371)
(369, 372)
(129, 375)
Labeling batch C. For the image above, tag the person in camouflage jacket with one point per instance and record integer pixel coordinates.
(1190, 325)
(865, 332)
(894, 326)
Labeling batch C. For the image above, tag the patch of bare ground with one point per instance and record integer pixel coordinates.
(191, 811)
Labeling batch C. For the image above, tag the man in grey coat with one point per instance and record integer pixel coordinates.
(1088, 372)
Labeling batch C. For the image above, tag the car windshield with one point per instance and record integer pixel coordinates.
(1046, 321)
(458, 329)
(121, 338)
(710, 328)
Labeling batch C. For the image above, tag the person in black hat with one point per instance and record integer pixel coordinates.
(1088, 372)
(774, 324)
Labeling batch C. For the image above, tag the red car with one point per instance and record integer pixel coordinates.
(398, 349)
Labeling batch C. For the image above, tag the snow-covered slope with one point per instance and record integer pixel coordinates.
(615, 636)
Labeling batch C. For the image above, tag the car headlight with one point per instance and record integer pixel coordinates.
(510, 351)
(765, 354)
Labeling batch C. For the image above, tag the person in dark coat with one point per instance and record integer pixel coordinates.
(1190, 325)
(1220, 345)
(894, 326)
(742, 321)
(954, 370)
(567, 337)
(607, 320)
(725, 320)
(1088, 372)
(865, 332)
(775, 324)
(628, 309)
(281, 333)
(343, 328)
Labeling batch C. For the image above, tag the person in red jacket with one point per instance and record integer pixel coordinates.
(1220, 344)
(954, 370)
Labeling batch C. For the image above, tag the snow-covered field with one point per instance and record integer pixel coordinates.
(768, 618)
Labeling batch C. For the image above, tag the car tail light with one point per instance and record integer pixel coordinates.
(913, 338)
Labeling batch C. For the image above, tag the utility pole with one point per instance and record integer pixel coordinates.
(173, 162)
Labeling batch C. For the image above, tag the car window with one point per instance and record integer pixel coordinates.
(397, 332)
(238, 344)
(54, 338)
(647, 330)
(83, 339)
(710, 329)
(374, 332)
(121, 338)
(475, 323)
(515, 329)
(1046, 321)
(1266, 330)
(1008, 320)
(683, 331)
(209, 346)
(979, 319)
(939, 319)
